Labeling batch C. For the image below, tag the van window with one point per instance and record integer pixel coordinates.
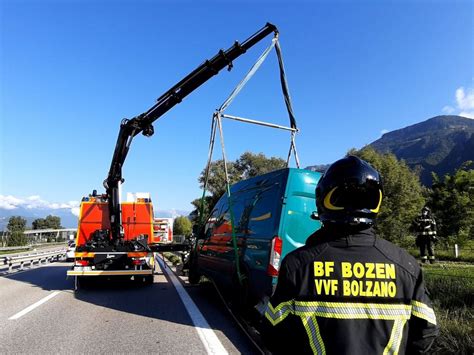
(238, 207)
(223, 225)
(214, 217)
(261, 212)
(223, 221)
(254, 211)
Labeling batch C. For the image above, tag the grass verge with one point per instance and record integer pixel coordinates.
(173, 258)
(452, 292)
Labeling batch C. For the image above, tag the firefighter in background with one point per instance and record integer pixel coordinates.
(425, 226)
(347, 291)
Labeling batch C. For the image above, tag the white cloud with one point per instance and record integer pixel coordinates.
(35, 202)
(75, 211)
(448, 109)
(383, 131)
(467, 114)
(464, 103)
(10, 202)
(465, 100)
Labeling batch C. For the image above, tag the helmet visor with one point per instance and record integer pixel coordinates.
(354, 197)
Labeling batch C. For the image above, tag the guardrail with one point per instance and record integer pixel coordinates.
(30, 259)
(15, 248)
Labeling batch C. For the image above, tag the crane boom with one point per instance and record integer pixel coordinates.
(142, 123)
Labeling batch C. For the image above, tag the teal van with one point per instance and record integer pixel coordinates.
(272, 217)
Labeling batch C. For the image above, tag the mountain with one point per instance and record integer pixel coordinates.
(440, 144)
(170, 213)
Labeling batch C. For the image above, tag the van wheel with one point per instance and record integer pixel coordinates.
(193, 273)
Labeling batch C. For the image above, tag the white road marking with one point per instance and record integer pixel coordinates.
(34, 305)
(206, 334)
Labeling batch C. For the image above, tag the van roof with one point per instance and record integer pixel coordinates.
(260, 179)
(276, 175)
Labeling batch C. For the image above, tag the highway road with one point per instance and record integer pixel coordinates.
(41, 313)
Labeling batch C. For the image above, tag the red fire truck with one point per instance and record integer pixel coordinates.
(163, 230)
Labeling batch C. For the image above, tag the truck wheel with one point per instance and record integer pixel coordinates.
(82, 282)
(148, 280)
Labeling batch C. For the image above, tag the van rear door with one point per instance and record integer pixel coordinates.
(296, 224)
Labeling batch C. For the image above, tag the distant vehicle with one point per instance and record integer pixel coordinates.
(273, 215)
(163, 230)
(70, 252)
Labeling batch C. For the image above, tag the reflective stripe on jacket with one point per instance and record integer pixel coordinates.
(426, 225)
(349, 294)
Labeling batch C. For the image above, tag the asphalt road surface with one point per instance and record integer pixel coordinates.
(41, 313)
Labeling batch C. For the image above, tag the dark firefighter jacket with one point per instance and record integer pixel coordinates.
(425, 226)
(349, 294)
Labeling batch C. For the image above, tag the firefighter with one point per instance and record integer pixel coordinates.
(347, 291)
(425, 226)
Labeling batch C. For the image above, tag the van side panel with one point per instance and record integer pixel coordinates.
(279, 203)
(263, 216)
(296, 224)
(256, 205)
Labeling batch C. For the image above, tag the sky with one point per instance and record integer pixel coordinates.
(70, 71)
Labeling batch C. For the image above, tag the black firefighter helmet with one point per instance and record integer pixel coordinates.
(349, 193)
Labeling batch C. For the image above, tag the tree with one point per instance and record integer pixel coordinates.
(452, 203)
(53, 222)
(195, 215)
(16, 223)
(39, 223)
(216, 184)
(248, 165)
(182, 226)
(402, 197)
(50, 222)
(16, 226)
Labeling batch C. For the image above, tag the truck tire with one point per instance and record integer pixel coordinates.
(148, 280)
(82, 282)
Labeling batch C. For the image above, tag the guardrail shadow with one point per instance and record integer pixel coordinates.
(51, 278)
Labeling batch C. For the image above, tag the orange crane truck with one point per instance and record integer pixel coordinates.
(95, 253)
(116, 238)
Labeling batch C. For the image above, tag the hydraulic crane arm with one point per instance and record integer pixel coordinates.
(142, 123)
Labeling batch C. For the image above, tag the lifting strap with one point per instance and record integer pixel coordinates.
(216, 124)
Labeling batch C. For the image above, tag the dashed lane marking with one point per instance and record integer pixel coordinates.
(34, 305)
(209, 339)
